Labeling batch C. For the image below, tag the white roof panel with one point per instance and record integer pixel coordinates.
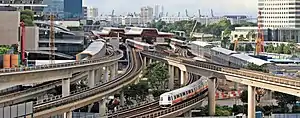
(223, 50)
(200, 43)
(250, 59)
(94, 48)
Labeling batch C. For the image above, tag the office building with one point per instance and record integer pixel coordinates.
(156, 10)
(55, 7)
(73, 9)
(92, 13)
(85, 12)
(146, 14)
(35, 5)
(279, 13)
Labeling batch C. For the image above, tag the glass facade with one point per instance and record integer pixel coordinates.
(73, 9)
(55, 7)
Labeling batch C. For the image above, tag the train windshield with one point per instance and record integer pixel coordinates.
(151, 47)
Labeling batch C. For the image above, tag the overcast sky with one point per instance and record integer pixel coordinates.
(220, 7)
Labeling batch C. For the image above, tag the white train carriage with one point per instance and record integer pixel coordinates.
(178, 42)
(176, 96)
(140, 45)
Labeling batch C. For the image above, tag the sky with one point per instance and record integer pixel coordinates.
(220, 7)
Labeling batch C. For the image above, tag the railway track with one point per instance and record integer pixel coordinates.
(142, 109)
(31, 93)
(85, 97)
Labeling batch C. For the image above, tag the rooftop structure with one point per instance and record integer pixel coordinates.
(35, 5)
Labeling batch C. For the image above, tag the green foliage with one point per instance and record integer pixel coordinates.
(231, 46)
(157, 93)
(284, 99)
(157, 75)
(244, 96)
(136, 92)
(282, 48)
(270, 49)
(255, 67)
(27, 16)
(249, 47)
(223, 111)
(4, 49)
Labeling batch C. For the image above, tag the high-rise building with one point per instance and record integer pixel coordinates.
(92, 13)
(279, 13)
(55, 7)
(156, 10)
(85, 12)
(146, 14)
(73, 9)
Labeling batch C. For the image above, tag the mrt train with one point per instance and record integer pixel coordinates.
(179, 95)
(140, 45)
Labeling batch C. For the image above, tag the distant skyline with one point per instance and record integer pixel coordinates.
(220, 7)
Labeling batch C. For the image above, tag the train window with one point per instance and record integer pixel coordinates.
(169, 98)
(183, 93)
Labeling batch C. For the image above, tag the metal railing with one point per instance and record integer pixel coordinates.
(60, 65)
(256, 75)
(48, 85)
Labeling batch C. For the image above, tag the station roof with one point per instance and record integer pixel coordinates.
(201, 43)
(250, 59)
(223, 50)
(94, 47)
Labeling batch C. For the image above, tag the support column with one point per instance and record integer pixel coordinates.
(102, 108)
(182, 77)
(171, 79)
(211, 96)
(91, 79)
(116, 68)
(150, 61)
(251, 102)
(112, 72)
(106, 74)
(99, 75)
(66, 87)
(236, 85)
(67, 114)
(122, 98)
(145, 62)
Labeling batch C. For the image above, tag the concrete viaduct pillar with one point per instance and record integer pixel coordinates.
(251, 102)
(183, 75)
(67, 114)
(102, 107)
(122, 98)
(66, 92)
(112, 72)
(66, 87)
(91, 79)
(145, 62)
(106, 74)
(171, 79)
(99, 75)
(212, 96)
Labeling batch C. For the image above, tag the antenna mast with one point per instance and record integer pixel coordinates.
(51, 40)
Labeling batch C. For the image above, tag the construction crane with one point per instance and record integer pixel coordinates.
(51, 40)
(259, 47)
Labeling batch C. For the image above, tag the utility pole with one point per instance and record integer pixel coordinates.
(52, 40)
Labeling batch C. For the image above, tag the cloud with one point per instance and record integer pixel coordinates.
(174, 6)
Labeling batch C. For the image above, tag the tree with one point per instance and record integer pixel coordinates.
(279, 49)
(27, 17)
(231, 46)
(287, 49)
(244, 96)
(270, 48)
(248, 47)
(157, 75)
(137, 91)
(284, 99)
